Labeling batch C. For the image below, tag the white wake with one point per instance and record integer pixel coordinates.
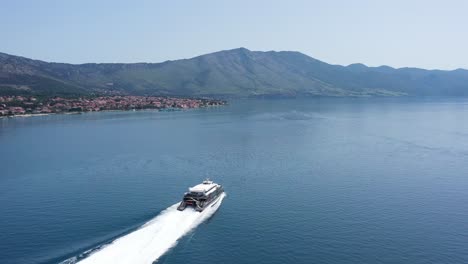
(146, 244)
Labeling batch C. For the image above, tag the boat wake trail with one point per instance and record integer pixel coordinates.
(146, 244)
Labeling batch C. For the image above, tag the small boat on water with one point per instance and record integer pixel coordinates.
(201, 196)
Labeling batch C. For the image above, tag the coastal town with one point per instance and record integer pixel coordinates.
(30, 105)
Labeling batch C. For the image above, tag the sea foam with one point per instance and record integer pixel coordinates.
(148, 243)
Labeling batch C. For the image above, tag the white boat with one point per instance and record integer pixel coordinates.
(201, 196)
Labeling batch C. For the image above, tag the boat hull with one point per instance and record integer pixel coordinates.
(200, 203)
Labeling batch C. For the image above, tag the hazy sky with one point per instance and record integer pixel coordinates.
(419, 33)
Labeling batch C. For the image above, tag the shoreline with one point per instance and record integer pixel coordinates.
(107, 110)
(21, 106)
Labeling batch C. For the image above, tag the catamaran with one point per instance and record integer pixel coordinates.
(201, 196)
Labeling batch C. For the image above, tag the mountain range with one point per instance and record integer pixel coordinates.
(230, 73)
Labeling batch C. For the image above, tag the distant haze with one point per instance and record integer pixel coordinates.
(421, 33)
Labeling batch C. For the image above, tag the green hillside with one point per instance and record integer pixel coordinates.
(232, 73)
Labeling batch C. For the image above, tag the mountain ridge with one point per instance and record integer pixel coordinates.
(227, 73)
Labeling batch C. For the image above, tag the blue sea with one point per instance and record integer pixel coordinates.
(324, 180)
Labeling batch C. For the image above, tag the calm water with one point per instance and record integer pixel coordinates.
(308, 181)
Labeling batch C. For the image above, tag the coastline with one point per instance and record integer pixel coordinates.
(105, 111)
(21, 106)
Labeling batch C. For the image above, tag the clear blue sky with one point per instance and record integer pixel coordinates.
(420, 33)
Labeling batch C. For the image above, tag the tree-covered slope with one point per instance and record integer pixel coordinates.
(236, 73)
